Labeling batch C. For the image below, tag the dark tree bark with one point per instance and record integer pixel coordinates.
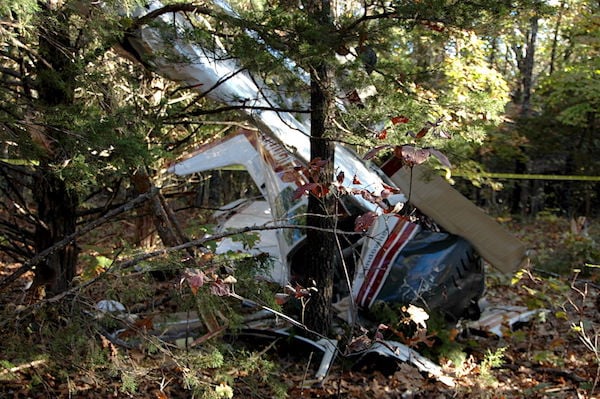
(163, 219)
(555, 37)
(56, 210)
(526, 66)
(56, 203)
(321, 246)
(144, 222)
(525, 56)
(158, 214)
(525, 62)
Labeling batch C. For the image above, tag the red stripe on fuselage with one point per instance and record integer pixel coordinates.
(371, 273)
(387, 262)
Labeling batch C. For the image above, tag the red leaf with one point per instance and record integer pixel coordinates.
(394, 190)
(422, 132)
(219, 288)
(382, 134)
(316, 189)
(302, 190)
(340, 178)
(411, 155)
(196, 279)
(374, 151)
(441, 157)
(364, 221)
(355, 180)
(319, 190)
(289, 176)
(399, 119)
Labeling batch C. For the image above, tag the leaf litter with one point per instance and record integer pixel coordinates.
(554, 355)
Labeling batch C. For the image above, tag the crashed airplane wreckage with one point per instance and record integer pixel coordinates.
(399, 261)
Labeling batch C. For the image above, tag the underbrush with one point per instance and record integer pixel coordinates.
(112, 338)
(67, 347)
(559, 245)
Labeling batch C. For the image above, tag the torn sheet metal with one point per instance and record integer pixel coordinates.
(403, 263)
(327, 347)
(499, 319)
(400, 352)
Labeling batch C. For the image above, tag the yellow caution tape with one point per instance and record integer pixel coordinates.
(528, 176)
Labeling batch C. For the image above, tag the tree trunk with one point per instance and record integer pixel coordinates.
(321, 245)
(320, 242)
(56, 202)
(164, 220)
(525, 63)
(555, 37)
(526, 68)
(56, 211)
(144, 222)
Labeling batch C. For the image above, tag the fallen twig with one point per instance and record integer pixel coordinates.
(207, 336)
(15, 369)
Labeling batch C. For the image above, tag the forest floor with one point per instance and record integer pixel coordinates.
(60, 347)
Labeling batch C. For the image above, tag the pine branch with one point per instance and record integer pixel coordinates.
(15, 252)
(241, 107)
(10, 72)
(170, 8)
(15, 233)
(37, 259)
(215, 237)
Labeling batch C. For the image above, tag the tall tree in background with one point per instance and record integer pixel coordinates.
(547, 134)
(569, 100)
(524, 53)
